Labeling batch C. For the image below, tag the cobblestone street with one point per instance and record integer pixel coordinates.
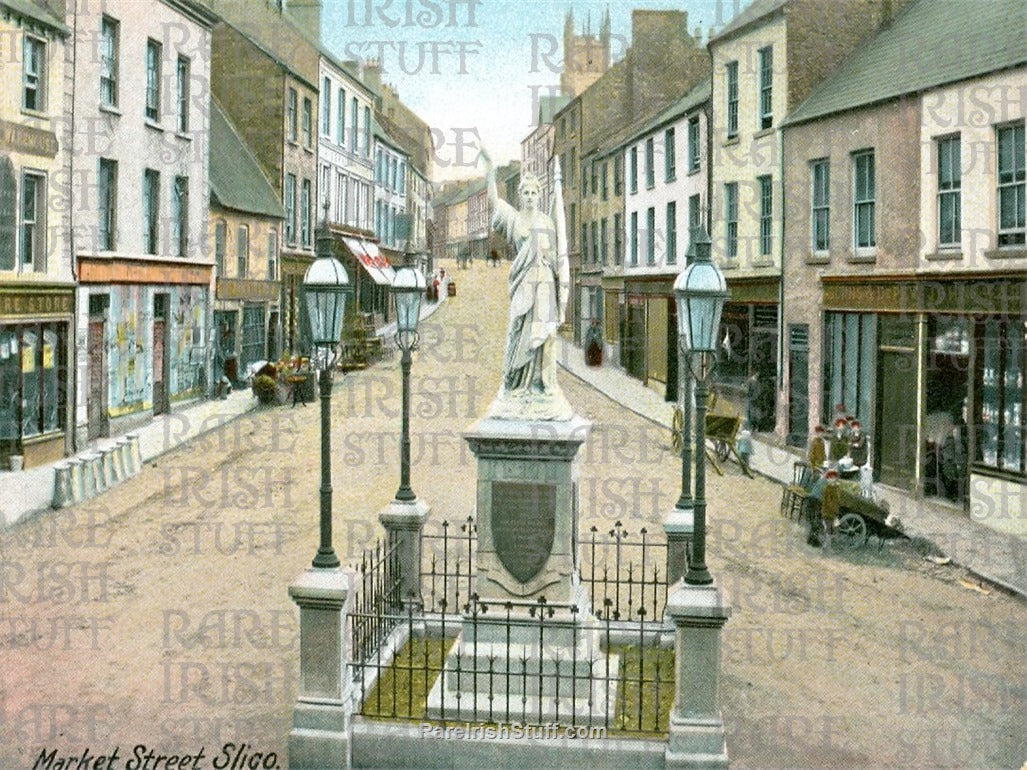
(158, 613)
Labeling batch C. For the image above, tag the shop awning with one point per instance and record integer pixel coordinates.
(371, 259)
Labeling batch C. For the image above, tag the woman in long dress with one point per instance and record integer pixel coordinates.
(538, 303)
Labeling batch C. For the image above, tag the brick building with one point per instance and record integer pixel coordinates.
(904, 255)
(765, 62)
(662, 62)
(264, 74)
(37, 296)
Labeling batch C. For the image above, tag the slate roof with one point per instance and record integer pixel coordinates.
(458, 193)
(236, 181)
(929, 44)
(382, 133)
(756, 11)
(37, 13)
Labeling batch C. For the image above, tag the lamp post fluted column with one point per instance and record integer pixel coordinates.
(326, 556)
(685, 500)
(405, 493)
(698, 574)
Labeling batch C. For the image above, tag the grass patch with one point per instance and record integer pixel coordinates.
(644, 688)
(401, 691)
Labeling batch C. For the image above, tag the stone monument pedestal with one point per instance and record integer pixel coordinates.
(528, 643)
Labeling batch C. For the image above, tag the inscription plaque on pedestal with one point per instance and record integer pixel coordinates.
(523, 526)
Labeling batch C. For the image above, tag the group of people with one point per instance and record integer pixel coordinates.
(845, 449)
(437, 286)
(845, 446)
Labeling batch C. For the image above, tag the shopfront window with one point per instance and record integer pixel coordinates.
(947, 384)
(1002, 346)
(32, 367)
(10, 387)
(850, 346)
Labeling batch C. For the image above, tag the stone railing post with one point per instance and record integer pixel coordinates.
(403, 521)
(320, 734)
(696, 726)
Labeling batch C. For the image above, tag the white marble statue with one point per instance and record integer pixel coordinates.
(539, 291)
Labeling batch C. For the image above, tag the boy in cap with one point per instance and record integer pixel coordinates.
(816, 450)
(829, 505)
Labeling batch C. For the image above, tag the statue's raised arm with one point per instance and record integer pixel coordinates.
(563, 262)
(539, 288)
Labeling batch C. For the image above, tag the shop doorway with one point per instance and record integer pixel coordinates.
(896, 435)
(633, 338)
(762, 383)
(160, 368)
(946, 470)
(798, 384)
(97, 423)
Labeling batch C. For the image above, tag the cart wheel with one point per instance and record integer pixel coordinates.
(852, 530)
(677, 425)
(721, 449)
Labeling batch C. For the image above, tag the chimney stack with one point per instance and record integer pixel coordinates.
(306, 15)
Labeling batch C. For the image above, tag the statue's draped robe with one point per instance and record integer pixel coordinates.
(536, 304)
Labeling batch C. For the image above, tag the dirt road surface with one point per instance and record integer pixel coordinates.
(157, 615)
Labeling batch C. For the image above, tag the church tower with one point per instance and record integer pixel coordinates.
(585, 57)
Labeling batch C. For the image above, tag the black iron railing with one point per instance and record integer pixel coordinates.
(629, 569)
(536, 664)
(447, 564)
(376, 599)
(625, 572)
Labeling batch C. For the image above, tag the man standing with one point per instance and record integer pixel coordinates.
(839, 441)
(859, 448)
(829, 506)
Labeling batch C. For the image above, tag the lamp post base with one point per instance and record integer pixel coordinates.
(696, 726)
(320, 734)
(679, 527)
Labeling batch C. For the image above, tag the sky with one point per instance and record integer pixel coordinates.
(473, 69)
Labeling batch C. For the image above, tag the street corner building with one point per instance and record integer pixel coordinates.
(138, 244)
(37, 288)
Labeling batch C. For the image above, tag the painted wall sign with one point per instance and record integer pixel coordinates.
(35, 141)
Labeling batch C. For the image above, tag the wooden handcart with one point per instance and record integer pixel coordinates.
(860, 517)
(721, 437)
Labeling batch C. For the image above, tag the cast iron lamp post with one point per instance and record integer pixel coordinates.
(700, 291)
(684, 502)
(326, 287)
(408, 286)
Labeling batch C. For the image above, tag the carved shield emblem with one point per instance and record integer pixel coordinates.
(523, 526)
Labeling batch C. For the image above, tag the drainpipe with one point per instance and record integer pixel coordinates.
(921, 403)
(73, 333)
(780, 415)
